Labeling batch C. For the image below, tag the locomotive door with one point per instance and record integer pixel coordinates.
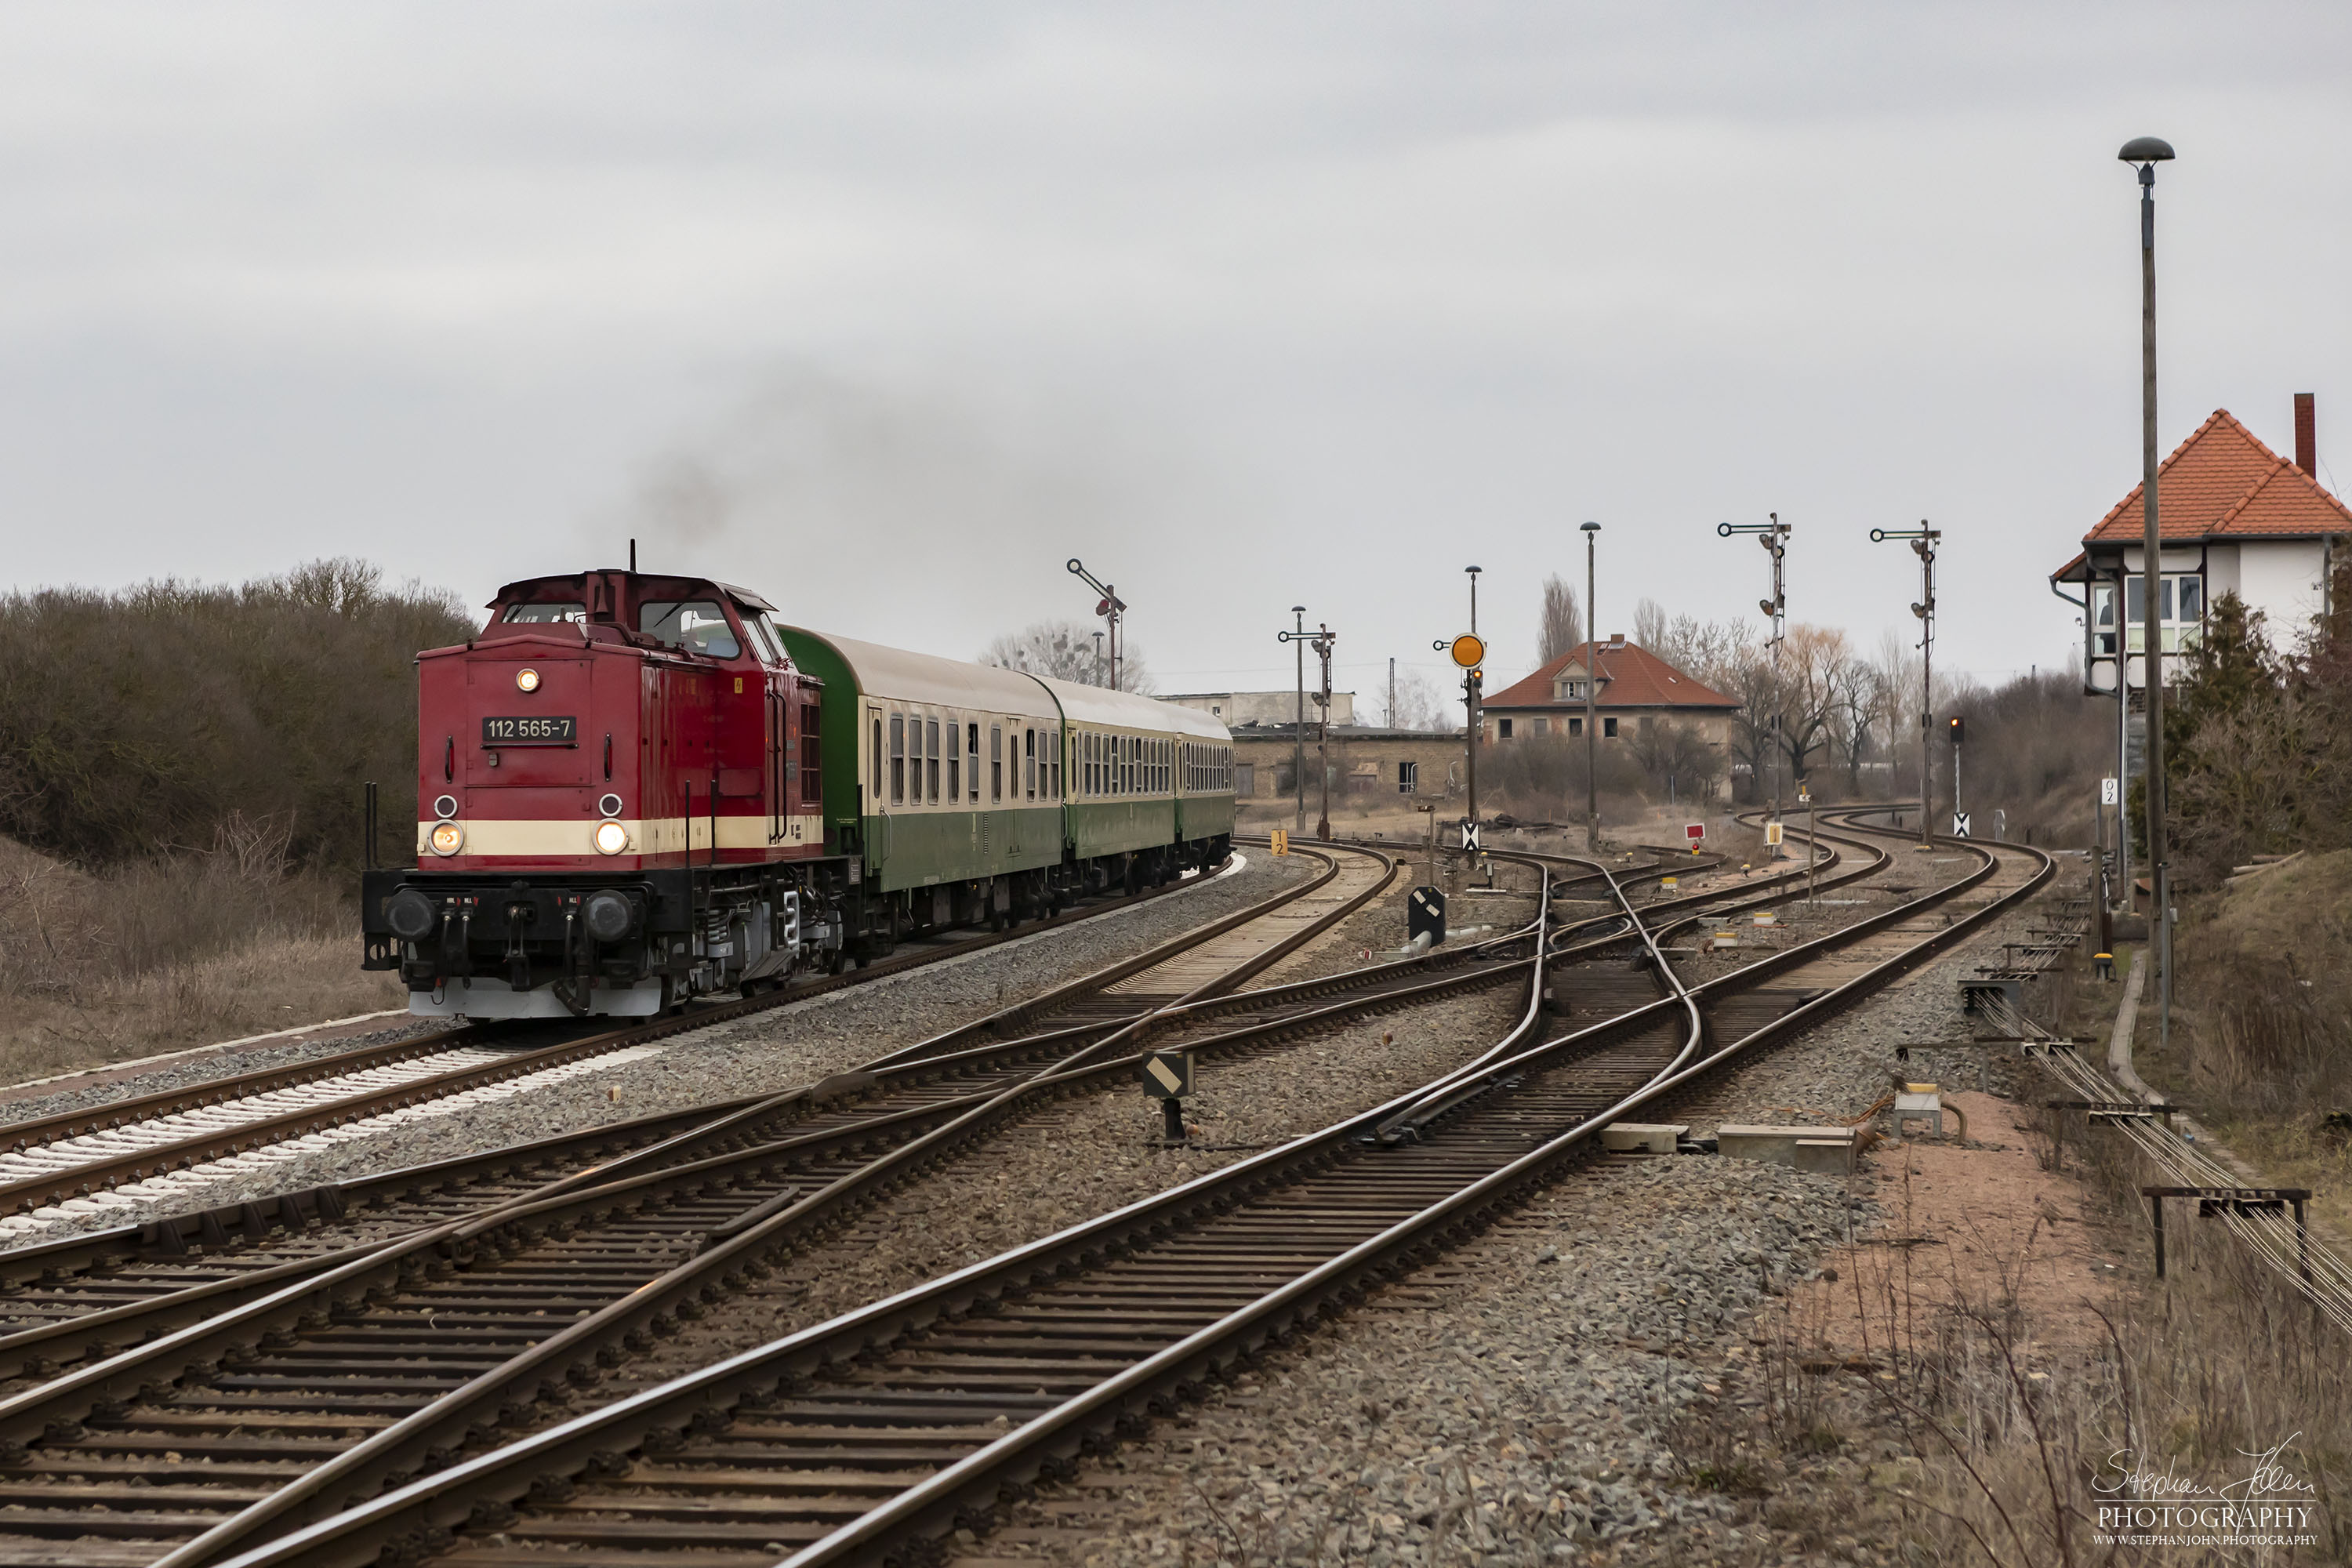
(879, 852)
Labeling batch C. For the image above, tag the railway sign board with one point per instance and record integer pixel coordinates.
(1772, 834)
(2110, 793)
(1693, 830)
(1470, 839)
(1282, 841)
(1959, 825)
(1425, 912)
(1168, 1075)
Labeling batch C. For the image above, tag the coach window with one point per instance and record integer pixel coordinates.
(1029, 760)
(995, 764)
(873, 790)
(955, 758)
(898, 760)
(972, 750)
(1061, 741)
(931, 758)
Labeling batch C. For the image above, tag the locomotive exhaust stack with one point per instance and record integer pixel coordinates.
(635, 789)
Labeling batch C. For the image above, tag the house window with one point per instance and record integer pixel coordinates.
(1576, 726)
(1408, 777)
(1244, 778)
(2179, 612)
(1503, 728)
(897, 759)
(1609, 729)
(1543, 726)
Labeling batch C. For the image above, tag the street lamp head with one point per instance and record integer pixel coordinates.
(1590, 528)
(1473, 571)
(2147, 149)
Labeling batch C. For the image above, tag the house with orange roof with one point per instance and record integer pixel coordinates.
(1633, 691)
(2234, 518)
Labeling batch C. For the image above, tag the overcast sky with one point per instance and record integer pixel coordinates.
(886, 310)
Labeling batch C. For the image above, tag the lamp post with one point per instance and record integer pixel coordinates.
(1591, 532)
(1923, 545)
(2147, 152)
(1110, 607)
(1774, 537)
(1297, 637)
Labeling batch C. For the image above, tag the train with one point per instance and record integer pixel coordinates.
(636, 789)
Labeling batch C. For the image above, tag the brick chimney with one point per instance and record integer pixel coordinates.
(2306, 435)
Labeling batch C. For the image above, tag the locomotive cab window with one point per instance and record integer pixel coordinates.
(696, 625)
(544, 615)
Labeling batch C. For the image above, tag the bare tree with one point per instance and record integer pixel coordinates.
(1813, 664)
(1420, 705)
(1650, 628)
(1563, 622)
(1066, 650)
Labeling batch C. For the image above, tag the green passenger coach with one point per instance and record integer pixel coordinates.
(964, 794)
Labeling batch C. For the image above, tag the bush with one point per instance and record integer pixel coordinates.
(141, 723)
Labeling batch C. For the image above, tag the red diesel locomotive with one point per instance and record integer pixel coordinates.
(633, 789)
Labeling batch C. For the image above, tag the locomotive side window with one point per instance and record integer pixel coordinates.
(543, 615)
(696, 625)
(897, 759)
(931, 758)
(764, 639)
(811, 776)
(995, 763)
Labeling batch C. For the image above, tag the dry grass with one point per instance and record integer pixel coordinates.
(202, 946)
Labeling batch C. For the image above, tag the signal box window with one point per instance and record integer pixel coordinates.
(995, 764)
(898, 760)
(696, 625)
(931, 758)
(544, 615)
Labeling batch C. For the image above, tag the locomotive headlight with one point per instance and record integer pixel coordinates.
(610, 838)
(526, 679)
(447, 838)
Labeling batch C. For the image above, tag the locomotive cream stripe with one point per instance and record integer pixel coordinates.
(540, 838)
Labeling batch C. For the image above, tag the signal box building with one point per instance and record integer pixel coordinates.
(2234, 517)
(1635, 690)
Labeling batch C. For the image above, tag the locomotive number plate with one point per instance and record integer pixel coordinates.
(537, 729)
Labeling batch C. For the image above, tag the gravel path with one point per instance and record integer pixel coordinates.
(1543, 1393)
(769, 1052)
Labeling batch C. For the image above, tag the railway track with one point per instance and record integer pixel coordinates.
(300, 1384)
(82, 1297)
(154, 1146)
(907, 1419)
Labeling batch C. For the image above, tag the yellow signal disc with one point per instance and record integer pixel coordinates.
(1468, 651)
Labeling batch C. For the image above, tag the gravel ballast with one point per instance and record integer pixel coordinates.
(1547, 1392)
